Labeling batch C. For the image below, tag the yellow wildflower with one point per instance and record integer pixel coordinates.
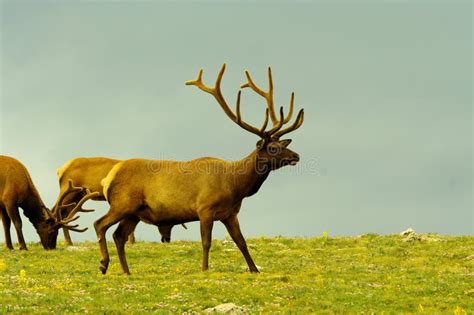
(22, 274)
(3, 265)
(459, 310)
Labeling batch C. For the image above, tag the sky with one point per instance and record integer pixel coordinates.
(386, 87)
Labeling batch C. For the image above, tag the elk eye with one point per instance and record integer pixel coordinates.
(273, 149)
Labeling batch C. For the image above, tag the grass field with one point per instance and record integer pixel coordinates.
(366, 274)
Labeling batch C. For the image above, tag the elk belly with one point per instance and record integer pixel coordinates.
(164, 215)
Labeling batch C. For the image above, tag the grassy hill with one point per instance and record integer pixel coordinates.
(367, 274)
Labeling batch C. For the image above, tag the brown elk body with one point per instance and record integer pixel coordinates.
(18, 191)
(204, 190)
(88, 172)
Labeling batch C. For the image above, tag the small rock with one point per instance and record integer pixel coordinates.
(227, 241)
(246, 268)
(407, 232)
(412, 238)
(227, 308)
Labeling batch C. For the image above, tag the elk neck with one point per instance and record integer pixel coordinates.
(33, 206)
(249, 175)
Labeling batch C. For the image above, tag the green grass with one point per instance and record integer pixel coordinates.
(363, 274)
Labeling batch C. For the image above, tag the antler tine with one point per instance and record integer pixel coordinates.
(292, 104)
(297, 123)
(198, 82)
(251, 84)
(265, 123)
(65, 222)
(260, 132)
(74, 228)
(279, 125)
(237, 107)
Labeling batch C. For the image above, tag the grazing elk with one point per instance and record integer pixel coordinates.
(204, 190)
(87, 173)
(18, 191)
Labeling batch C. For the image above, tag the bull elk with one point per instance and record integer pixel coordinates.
(87, 173)
(205, 189)
(18, 191)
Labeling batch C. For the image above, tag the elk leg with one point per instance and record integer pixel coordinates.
(131, 238)
(67, 237)
(206, 238)
(124, 230)
(6, 228)
(14, 215)
(101, 226)
(233, 227)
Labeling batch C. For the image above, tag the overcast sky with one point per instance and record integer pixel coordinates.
(386, 87)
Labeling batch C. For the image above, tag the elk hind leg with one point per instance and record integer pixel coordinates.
(124, 230)
(233, 227)
(6, 228)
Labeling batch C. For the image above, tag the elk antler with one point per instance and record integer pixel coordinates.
(278, 123)
(77, 208)
(56, 213)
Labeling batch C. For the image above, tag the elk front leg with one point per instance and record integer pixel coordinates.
(233, 227)
(6, 228)
(101, 226)
(14, 215)
(206, 237)
(124, 230)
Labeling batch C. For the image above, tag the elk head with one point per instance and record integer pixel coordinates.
(272, 153)
(48, 229)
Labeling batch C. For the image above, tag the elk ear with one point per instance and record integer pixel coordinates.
(285, 142)
(260, 144)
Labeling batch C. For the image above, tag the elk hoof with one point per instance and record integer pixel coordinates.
(254, 270)
(103, 269)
